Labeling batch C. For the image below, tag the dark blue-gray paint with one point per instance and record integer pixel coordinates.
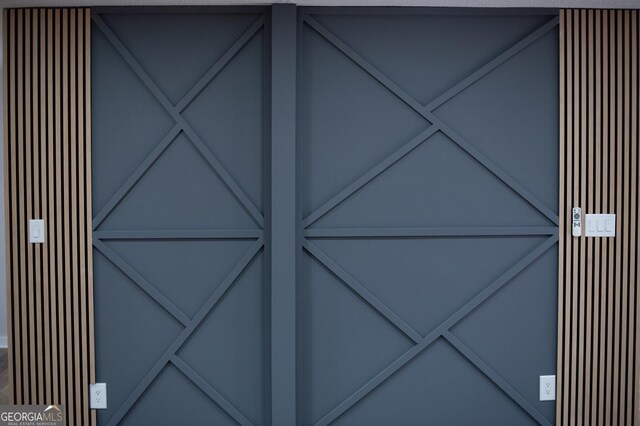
(325, 215)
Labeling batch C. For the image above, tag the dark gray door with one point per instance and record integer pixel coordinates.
(428, 187)
(430, 199)
(178, 216)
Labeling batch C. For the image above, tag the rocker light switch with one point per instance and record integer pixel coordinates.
(36, 231)
(600, 225)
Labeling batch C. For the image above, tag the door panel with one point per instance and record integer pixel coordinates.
(427, 187)
(181, 295)
(429, 147)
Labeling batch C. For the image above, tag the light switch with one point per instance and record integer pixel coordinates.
(36, 231)
(600, 225)
(611, 224)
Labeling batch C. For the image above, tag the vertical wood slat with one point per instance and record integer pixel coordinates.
(560, 379)
(47, 175)
(599, 157)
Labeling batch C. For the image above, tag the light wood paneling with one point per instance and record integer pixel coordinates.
(47, 175)
(598, 299)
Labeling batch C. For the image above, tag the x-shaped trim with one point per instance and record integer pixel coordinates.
(170, 355)
(444, 329)
(426, 111)
(175, 111)
(190, 325)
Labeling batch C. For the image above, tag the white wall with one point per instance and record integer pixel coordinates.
(623, 4)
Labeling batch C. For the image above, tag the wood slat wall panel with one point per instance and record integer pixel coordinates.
(47, 175)
(598, 299)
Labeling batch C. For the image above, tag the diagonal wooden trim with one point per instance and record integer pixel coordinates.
(492, 375)
(414, 104)
(410, 354)
(204, 310)
(492, 167)
(135, 177)
(429, 232)
(493, 64)
(361, 291)
(374, 172)
(139, 280)
(213, 161)
(205, 387)
(220, 64)
(369, 68)
(214, 234)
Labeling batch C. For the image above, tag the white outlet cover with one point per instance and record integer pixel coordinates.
(547, 388)
(98, 396)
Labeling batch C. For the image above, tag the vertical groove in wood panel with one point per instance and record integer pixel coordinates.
(47, 395)
(66, 218)
(569, 197)
(21, 210)
(82, 183)
(88, 203)
(587, 200)
(599, 158)
(634, 405)
(73, 195)
(562, 228)
(15, 277)
(604, 208)
(632, 88)
(35, 196)
(47, 175)
(581, 197)
(595, 191)
(50, 234)
(575, 243)
(58, 210)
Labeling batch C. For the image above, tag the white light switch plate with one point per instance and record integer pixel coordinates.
(98, 396)
(547, 388)
(600, 225)
(36, 231)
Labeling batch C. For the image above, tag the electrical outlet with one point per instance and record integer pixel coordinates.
(547, 388)
(98, 396)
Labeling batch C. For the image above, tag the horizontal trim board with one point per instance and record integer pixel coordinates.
(428, 232)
